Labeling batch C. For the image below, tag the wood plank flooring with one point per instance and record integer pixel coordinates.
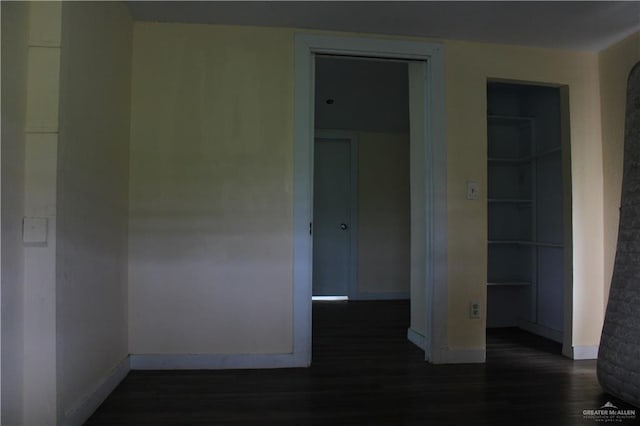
(365, 372)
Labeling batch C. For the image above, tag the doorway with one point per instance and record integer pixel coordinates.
(427, 177)
(528, 210)
(361, 210)
(335, 215)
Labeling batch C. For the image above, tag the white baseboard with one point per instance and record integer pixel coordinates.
(462, 356)
(448, 356)
(82, 409)
(416, 338)
(585, 352)
(541, 330)
(382, 296)
(216, 361)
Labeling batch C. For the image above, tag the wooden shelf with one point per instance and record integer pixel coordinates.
(509, 161)
(510, 117)
(553, 245)
(547, 152)
(517, 242)
(525, 159)
(526, 243)
(509, 284)
(509, 200)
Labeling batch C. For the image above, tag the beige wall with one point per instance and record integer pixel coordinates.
(211, 179)
(14, 72)
(92, 197)
(383, 213)
(210, 223)
(468, 66)
(615, 64)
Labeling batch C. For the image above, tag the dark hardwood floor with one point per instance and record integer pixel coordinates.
(364, 371)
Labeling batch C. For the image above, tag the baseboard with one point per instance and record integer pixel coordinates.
(448, 356)
(216, 361)
(416, 338)
(585, 352)
(461, 356)
(541, 330)
(82, 409)
(382, 296)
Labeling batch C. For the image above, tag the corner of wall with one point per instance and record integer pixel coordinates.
(85, 406)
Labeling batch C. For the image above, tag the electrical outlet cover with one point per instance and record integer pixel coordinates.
(474, 310)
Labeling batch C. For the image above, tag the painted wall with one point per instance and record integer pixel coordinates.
(14, 72)
(383, 213)
(615, 63)
(40, 180)
(466, 127)
(92, 198)
(211, 180)
(210, 189)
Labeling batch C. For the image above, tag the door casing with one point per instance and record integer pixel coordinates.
(432, 177)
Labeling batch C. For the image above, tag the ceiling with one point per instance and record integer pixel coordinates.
(577, 25)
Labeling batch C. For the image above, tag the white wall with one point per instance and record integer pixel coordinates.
(92, 198)
(14, 72)
(41, 127)
(65, 330)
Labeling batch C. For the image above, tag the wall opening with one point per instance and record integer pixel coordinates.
(529, 210)
(427, 177)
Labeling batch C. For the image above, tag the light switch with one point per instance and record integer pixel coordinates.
(472, 190)
(34, 230)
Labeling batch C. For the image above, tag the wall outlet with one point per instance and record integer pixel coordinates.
(474, 310)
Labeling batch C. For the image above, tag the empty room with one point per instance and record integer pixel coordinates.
(320, 213)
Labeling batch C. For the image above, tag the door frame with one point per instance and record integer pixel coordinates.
(352, 137)
(432, 179)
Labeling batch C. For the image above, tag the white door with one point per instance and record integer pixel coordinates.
(332, 217)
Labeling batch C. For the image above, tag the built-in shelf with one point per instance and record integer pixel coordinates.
(509, 161)
(547, 152)
(524, 207)
(526, 243)
(509, 117)
(518, 242)
(554, 245)
(523, 160)
(509, 200)
(510, 284)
